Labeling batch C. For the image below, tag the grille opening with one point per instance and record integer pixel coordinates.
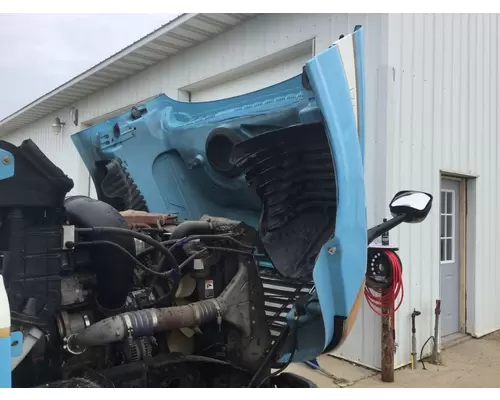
(280, 294)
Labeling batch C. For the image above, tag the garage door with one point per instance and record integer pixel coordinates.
(257, 79)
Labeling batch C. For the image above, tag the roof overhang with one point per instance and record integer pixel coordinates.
(185, 31)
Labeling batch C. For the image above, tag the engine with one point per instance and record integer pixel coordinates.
(130, 299)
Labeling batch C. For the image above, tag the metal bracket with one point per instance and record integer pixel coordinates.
(70, 348)
(6, 164)
(376, 244)
(119, 135)
(68, 235)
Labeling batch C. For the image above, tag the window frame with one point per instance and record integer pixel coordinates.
(447, 213)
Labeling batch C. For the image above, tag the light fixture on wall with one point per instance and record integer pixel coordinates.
(57, 126)
(74, 115)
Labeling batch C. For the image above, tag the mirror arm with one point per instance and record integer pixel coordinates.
(378, 230)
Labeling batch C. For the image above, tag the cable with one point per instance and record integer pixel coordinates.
(227, 237)
(229, 250)
(379, 296)
(285, 333)
(222, 236)
(145, 238)
(191, 258)
(175, 285)
(213, 346)
(173, 290)
(183, 241)
(422, 351)
(193, 358)
(151, 248)
(289, 361)
(271, 353)
(124, 251)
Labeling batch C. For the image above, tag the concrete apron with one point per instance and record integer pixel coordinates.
(473, 363)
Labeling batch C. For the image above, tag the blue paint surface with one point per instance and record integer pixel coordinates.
(338, 277)
(6, 164)
(5, 355)
(16, 340)
(164, 153)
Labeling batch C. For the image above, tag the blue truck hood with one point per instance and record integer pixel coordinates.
(287, 159)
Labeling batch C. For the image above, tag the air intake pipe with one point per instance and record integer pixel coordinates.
(147, 322)
(114, 270)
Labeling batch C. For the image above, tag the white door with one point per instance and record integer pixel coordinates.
(450, 257)
(259, 79)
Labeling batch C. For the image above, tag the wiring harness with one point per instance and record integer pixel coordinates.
(168, 267)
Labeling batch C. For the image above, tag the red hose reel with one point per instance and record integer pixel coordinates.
(384, 281)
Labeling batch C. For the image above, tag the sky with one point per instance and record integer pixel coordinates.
(42, 51)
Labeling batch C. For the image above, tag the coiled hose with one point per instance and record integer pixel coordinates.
(379, 296)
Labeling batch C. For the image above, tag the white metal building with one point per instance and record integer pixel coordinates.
(432, 105)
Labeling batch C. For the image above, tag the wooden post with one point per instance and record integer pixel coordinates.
(387, 373)
(436, 358)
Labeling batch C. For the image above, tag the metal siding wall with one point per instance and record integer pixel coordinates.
(261, 36)
(254, 81)
(58, 148)
(442, 108)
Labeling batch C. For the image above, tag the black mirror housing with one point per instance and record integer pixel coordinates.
(413, 204)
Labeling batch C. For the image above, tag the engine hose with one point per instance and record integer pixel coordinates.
(183, 230)
(170, 259)
(144, 323)
(147, 322)
(127, 254)
(378, 296)
(188, 228)
(114, 269)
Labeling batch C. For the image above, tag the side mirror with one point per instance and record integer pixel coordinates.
(415, 206)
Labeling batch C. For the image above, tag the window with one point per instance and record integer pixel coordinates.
(447, 228)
